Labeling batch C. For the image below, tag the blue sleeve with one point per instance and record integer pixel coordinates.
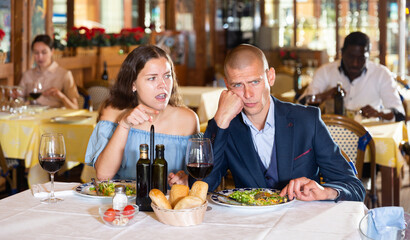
(335, 169)
(102, 133)
(219, 139)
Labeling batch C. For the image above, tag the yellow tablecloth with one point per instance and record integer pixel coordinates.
(20, 134)
(387, 138)
(205, 99)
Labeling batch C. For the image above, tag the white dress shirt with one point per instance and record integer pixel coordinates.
(375, 86)
(263, 140)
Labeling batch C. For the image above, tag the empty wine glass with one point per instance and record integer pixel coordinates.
(51, 156)
(36, 91)
(199, 157)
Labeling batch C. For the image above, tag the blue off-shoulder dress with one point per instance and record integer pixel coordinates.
(175, 147)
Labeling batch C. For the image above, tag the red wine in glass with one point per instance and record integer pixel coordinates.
(51, 155)
(199, 170)
(52, 163)
(35, 95)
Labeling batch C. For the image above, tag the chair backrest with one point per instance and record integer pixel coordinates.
(85, 100)
(99, 91)
(351, 137)
(283, 82)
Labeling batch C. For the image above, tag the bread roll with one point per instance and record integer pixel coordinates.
(177, 193)
(199, 189)
(189, 202)
(159, 199)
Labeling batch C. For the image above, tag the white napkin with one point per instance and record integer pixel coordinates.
(60, 189)
(380, 219)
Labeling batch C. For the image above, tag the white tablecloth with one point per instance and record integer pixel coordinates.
(22, 216)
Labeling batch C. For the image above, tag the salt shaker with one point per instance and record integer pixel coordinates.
(120, 200)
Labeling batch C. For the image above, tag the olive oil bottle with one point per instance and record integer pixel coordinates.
(143, 180)
(159, 169)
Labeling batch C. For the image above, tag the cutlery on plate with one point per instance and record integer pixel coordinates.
(96, 186)
(234, 201)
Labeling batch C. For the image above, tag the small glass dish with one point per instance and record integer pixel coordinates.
(115, 218)
(393, 233)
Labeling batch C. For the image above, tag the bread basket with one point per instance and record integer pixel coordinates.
(182, 217)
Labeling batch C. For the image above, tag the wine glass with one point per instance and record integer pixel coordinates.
(199, 157)
(313, 100)
(36, 91)
(51, 156)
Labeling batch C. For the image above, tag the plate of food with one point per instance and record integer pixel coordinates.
(106, 189)
(70, 119)
(250, 198)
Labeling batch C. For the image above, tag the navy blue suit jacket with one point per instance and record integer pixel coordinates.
(304, 148)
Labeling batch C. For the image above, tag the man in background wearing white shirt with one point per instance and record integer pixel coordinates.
(368, 86)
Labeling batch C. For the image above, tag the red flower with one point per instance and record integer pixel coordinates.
(2, 34)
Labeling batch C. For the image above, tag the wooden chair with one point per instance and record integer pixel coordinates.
(9, 171)
(85, 100)
(283, 82)
(353, 139)
(99, 91)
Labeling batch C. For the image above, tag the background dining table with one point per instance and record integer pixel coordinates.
(20, 135)
(387, 137)
(23, 216)
(203, 99)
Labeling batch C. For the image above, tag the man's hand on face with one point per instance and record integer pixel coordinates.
(229, 106)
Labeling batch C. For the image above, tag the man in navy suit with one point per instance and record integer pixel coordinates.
(267, 143)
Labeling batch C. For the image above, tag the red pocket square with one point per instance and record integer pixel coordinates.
(303, 154)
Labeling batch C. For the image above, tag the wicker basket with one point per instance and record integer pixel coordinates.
(182, 217)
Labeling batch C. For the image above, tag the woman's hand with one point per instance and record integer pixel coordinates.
(138, 115)
(53, 92)
(179, 178)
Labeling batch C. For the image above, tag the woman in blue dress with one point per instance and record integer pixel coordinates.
(145, 94)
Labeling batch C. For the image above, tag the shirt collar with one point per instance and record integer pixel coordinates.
(270, 119)
(343, 70)
(52, 68)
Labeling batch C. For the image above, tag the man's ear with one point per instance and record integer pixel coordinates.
(271, 76)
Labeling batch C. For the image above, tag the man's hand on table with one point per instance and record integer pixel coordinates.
(308, 190)
(369, 112)
(229, 106)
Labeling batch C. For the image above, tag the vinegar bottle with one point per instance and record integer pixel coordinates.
(143, 180)
(338, 100)
(159, 169)
(104, 76)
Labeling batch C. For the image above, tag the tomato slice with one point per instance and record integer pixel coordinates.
(109, 215)
(129, 211)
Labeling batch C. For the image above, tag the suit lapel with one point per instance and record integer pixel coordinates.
(246, 150)
(284, 134)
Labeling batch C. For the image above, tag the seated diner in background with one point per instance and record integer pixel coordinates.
(48, 83)
(368, 87)
(267, 143)
(145, 94)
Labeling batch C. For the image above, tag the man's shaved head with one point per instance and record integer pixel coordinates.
(244, 55)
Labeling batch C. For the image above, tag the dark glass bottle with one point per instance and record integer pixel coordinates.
(297, 79)
(143, 180)
(104, 76)
(159, 169)
(338, 100)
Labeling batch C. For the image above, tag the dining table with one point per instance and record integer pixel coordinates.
(20, 135)
(203, 99)
(387, 137)
(23, 216)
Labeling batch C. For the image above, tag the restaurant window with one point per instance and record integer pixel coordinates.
(155, 15)
(38, 20)
(5, 28)
(279, 17)
(60, 20)
(358, 15)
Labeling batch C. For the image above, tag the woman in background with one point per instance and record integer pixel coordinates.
(56, 84)
(145, 94)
